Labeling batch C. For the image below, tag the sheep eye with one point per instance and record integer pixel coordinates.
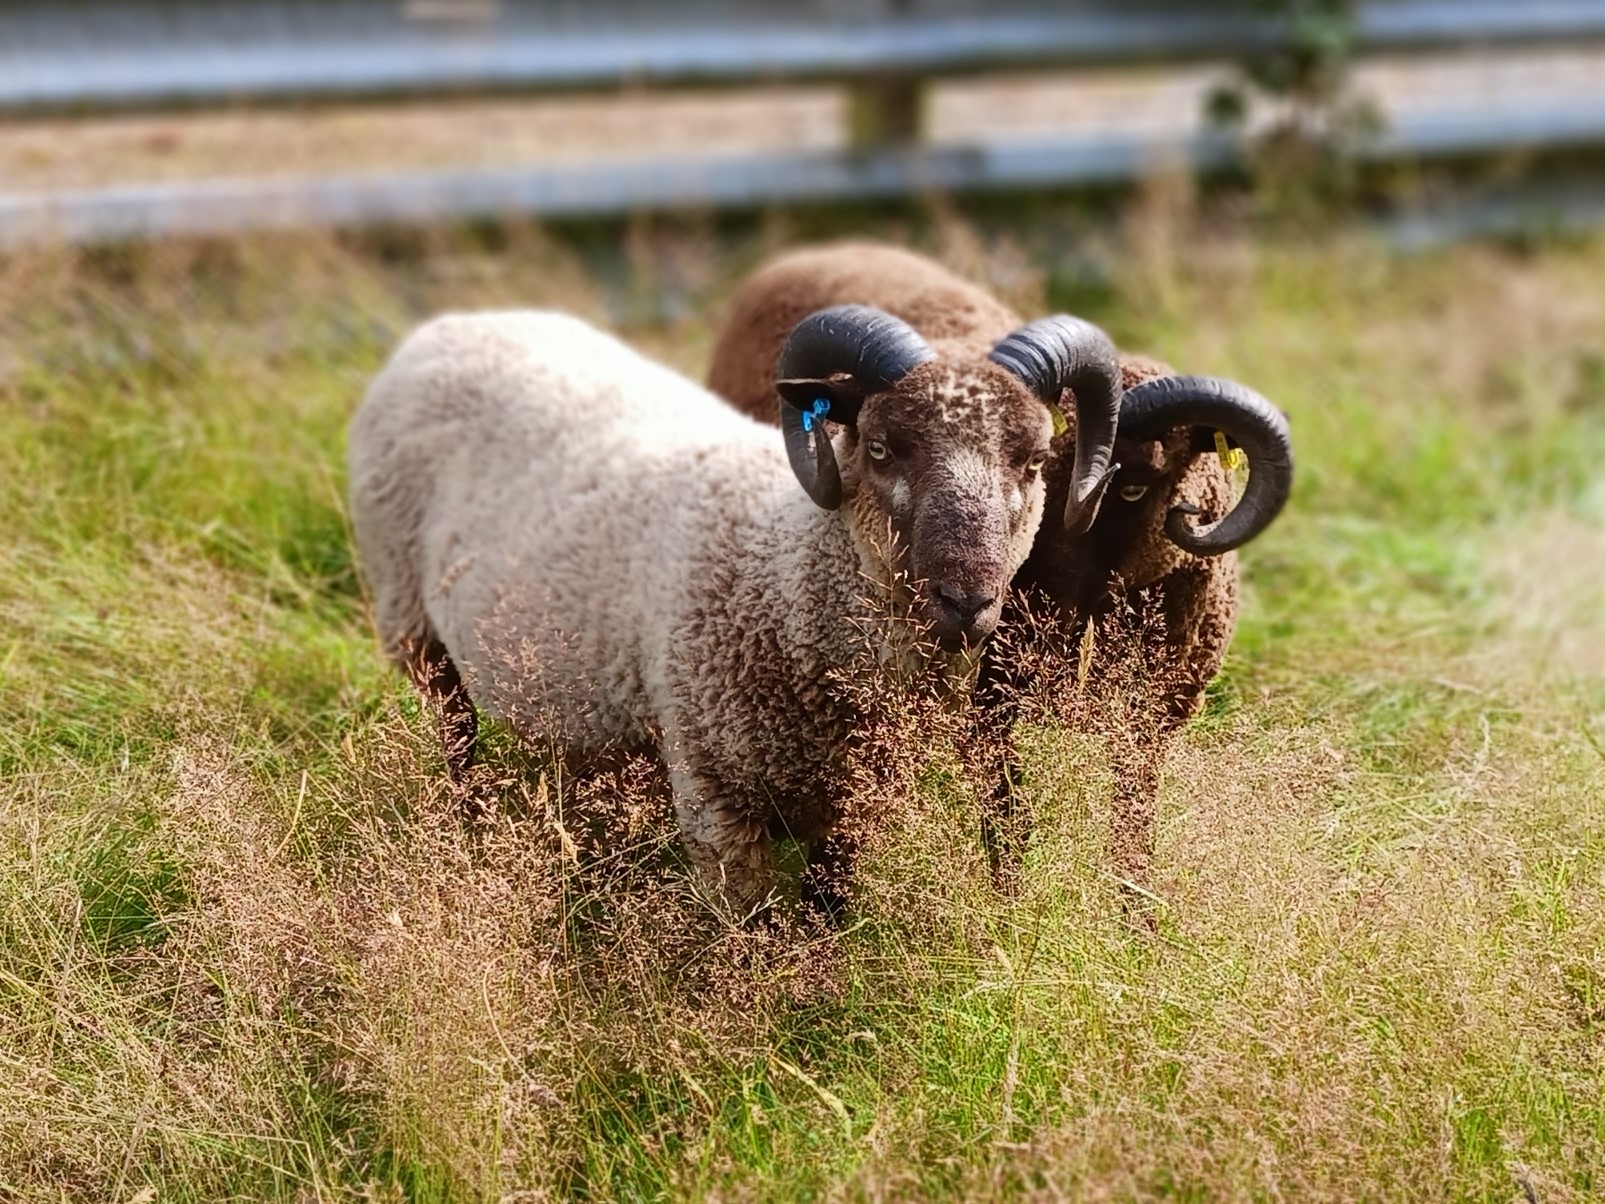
(877, 450)
(1035, 463)
(1131, 493)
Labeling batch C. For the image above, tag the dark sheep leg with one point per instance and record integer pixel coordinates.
(995, 768)
(436, 677)
(827, 878)
(1005, 824)
(1132, 820)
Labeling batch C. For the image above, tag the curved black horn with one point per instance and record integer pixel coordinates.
(1243, 416)
(1051, 355)
(831, 361)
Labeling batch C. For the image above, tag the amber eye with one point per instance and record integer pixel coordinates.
(1035, 463)
(1131, 493)
(877, 450)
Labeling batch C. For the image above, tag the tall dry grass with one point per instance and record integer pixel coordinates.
(249, 949)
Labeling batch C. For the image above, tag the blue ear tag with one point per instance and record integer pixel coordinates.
(813, 414)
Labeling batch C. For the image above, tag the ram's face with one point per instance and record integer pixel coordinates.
(1126, 548)
(952, 461)
(1134, 508)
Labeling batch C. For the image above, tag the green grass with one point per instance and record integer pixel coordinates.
(246, 950)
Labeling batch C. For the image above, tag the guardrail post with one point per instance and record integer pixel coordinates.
(885, 111)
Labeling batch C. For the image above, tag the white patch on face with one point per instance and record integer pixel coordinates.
(901, 496)
(1016, 499)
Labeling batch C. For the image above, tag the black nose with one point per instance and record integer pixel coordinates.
(963, 607)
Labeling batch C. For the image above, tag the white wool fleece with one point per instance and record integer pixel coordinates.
(612, 555)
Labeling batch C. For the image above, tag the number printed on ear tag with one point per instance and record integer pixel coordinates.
(1060, 425)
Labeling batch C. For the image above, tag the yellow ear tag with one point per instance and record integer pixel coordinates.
(1231, 458)
(1060, 426)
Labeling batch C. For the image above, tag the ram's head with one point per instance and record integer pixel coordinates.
(948, 455)
(1168, 501)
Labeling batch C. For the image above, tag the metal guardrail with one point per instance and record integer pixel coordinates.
(132, 53)
(94, 54)
(602, 189)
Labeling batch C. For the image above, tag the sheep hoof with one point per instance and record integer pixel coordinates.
(1141, 915)
(1006, 876)
(827, 878)
(823, 903)
(475, 796)
(1139, 907)
(763, 919)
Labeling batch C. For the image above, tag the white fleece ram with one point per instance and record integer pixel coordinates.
(613, 555)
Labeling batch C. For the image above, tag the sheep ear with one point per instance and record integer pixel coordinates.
(841, 394)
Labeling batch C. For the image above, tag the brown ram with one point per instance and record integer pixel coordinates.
(1157, 553)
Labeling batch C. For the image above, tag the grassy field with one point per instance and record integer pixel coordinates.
(246, 951)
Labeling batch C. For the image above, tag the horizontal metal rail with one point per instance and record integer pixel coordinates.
(91, 54)
(211, 207)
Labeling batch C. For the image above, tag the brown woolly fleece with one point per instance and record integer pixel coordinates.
(1123, 566)
(959, 321)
